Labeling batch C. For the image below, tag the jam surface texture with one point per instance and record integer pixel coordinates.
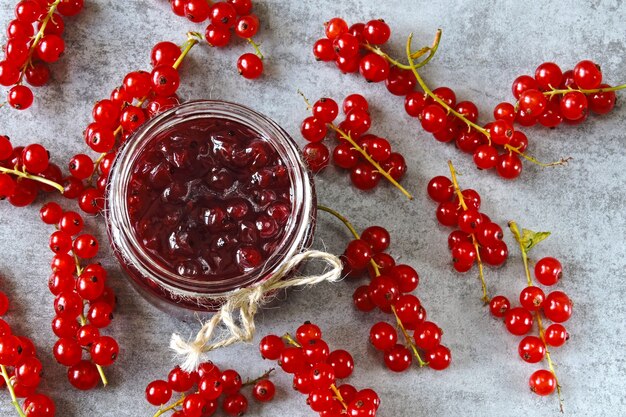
(209, 199)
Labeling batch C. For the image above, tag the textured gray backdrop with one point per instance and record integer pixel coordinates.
(485, 46)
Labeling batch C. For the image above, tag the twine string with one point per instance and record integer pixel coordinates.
(247, 302)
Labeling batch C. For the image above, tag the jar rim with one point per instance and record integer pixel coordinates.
(132, 254)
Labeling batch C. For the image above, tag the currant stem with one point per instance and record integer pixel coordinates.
(515, 230)
(14, 401)
(266, 375)
(257, 50)
(469, 123)
(430, 50)
(42, 180)
(178, 403)
(33, 46)
(289, 338)
(555, 91)
(479, 262)
(362, 151)
(350, 227)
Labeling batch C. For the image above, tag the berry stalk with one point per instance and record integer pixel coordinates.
(479, 261)
(24, 174)
(469, 123)
(348, 138)
(14, 400)
(170, 407)
(518, 237)
(430, 50)
(556, 91)
(356, 235)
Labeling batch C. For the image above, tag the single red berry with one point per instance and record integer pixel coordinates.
(447, 213)
(574, 105)
(557, 307)
(323, 50)
(376, 32)
(316, 155)
(271, 347)
(523, 83)
(247, 26)
(439, 358)
(104, 351)
(165, 80)
(398, 358)
(556, 335)
(377, 237)
(427, 336)
(548, 75)
(38, 405)
(499, 305)
(264, 390)
(383, 336)
(217, 36)
(50, 48)
(250, 66)
(384, 292)
(374, 68)
(405, 277)
(587, 75)
(494, 254)
(532, 102)
(341, 362)
(292, 360)
(20, 97)
(361, 299)
(400, 81)
(335, 27)
(433, 118)
(325, 110)
(467, 109)
(179, 380)
(414, 103)
(531, 349)
(532, 298)
(164, 53)
(440, 189)
(158, 393)
(509, 166)
(518, 321)
(504, 111)
(542, 382)
(355, 101)
(603, 102)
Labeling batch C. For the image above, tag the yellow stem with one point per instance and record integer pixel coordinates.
(266, 375)
(415, 55)
(14, 400)
(518, 237)
(33, 46)
(362, 151)
(479, 262)
(469, 123)
(162, 411)
(257, 50)
(555, 91)
(23, 174)
(350, 227)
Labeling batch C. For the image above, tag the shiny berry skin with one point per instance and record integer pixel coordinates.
(85, 246)
(519, 140)
(210, 387)
(602, 103)
(531, 349)
(158, 393)
(548, 271)
(499, 305)
(271, 346)
(377, 237)
(405, 277)
(361, 299)
(348, 65)
(313, 130)
(50, 48)
(357, 121)
(489, 233)
(464, 253)
(346, 45)
(164, 53)
(217, 36)
(523, 83)
(335, 27)
(29, 371)
(100, 314)
(574, 105)
(86, 335)
(374, 68)
(325, 110)
(84, 375)
(542, 382)
(341, 362)
(439, 358)
(353, 102)
(532, 102)
(501, 132)
(383, 336)
(104, 351)
(315, 351)
(427, 336)
(398, 358)
(137, 84)
(38, 405)
(378, 148)
(358, 254)
(532, 298)
(395, 166)
(518, 321)
(196, 10)
(247, 26)
(504, 111)
(292, 360)
(509, 166)
(364, 176)
(587, 75)
(433, 118)
(486, 157)
(322, 375)
(344, 156)
(494, 254)
(456, 236)
(556, 335)
(414, 103)
(20, 97)
(557, 307)
(231, 381)
(447, 213)
(179, 380)
(376, 32)
(316, 155)
(361, 408)
(264, 390)
(384, 292)
(9, 73)
(400, 81)
(440, 189)
(165, 80)
(35, 158)
(250, 66)
(447, 95)
(469, 221)
(548, 75)
(323, 50)
(194, 405)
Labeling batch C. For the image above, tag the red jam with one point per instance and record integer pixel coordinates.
(209, 199)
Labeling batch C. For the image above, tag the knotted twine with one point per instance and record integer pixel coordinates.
(248, 301)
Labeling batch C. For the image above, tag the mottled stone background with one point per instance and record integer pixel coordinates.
(484, 47)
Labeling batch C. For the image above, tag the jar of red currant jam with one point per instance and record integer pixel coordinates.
(207, 198)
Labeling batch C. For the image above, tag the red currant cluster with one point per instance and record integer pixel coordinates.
(225, 16)
(536, 306)
(27, 55)
(554, 96)
(316, 371)
(141, 96)
(201, 391)
(390, 291)
(24, 171)
(368, 157)
(21, 370)
(78, 289)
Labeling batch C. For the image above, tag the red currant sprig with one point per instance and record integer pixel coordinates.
(553, 96)
(390, 290)
(200, 391)
(27, 55)
(368, 157)
(226, 17)
(477, 240)
(536, 306)
(316, 372)
(142, 96)
(24, 171)
(21, 370)
(78, 289)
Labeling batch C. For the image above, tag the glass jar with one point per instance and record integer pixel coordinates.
(168, 286)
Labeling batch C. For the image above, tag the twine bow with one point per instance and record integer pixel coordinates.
(248, 301)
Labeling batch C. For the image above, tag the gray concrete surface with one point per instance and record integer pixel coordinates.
(484, 47)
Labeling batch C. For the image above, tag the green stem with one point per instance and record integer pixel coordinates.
(42, 180)
(555, 91)
(162, 411)
(515, 230)
(257, 50)
(266, 375)
(415, 55)
(479, 262)
(33, 46)
(469, 123)
(14, 401)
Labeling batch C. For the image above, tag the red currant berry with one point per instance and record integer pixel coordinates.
(556, 335)
(532, 298)
(323, 50)
(346, 45)
(20, 97)
(542, 382)
(486, 157)
(316, 155)
(361, 299)
(271, 347)
(557, 307)
(523, 83)
(504, 111)
(292, 360)
(531, 349)
(427, 336)
(325, 110)
(574, 105)
(533, 102)
(335, 27)
(414, 103)
(104, 351)
(518, 321)
(384, 292)
(376, 32)
(355, 101)
(548, 75)
(400, 81)
(439, 358)
(494, 254)
(398, 358)
(509, 166)
(383, 336)
(433, 118)
(67, 352)
(440, 189)
(364, 176)
(250, 66)
(377, 237)
(499, 305)
(405, 277)
(602, 103)
(548, 271)
(341, 362)
(374, 68)
(217, 36)
(247, 26)
(587, 75)
(158, 393)
(264, 390)
(50, 48)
